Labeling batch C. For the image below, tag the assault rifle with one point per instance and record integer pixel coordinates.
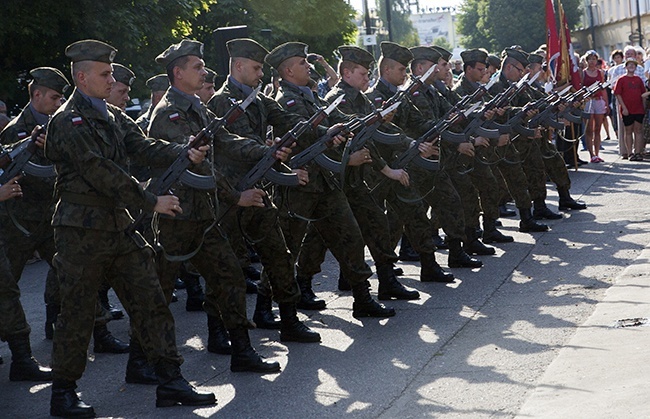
(16, 161)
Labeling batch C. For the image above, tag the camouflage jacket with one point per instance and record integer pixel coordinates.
(37, 202)
(90, 155)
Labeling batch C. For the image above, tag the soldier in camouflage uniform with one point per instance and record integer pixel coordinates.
(89, 141)
(295, 95)
(158, 86)
(195, 236)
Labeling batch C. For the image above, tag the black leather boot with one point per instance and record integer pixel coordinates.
(174, 389)
(218, 339)
(116, 313)
(263, 316)
(492, 235)
(245, 358)
(138, 369)
(458, 258)
(23, 365)
(308, 300)
(105, 342)
(542, 212)
(343, 284)
(65, 403)
(365, 306)
(528, 223)
(195, 295)
(390, 287)
(430, 271)
(568, 203)
(406, 251)
(292, 329)
(51, 314)
(474, 246)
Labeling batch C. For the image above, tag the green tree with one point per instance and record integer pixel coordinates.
(441, 41)
(497, 24)
(401, 27)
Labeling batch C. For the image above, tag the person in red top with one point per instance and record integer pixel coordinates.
(629, 90)
(596, 107)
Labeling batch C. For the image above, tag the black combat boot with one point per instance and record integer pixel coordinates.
(195, 295)
(365, 306)
(458, 258)
(343, 284)
(51, 314)
(245, 357)
(174, 389)
(568, 203)
(138, 369)
(105, 342)
(398, 271)
(474, 246)
(23, 365)
(218, 339)
(263, 316)
(308, 300)
(438, 241)
(430, 271)
(504, 211)
(65, 403)
(292, 329)
(116, 313)
(542, 212)
(492, 235)
(406, 251)
(390, 287)
(252, 275)
(528, 223)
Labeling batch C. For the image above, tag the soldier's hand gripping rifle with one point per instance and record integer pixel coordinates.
(178, 169)
(264, 168)
(547, 106)
(16, 161)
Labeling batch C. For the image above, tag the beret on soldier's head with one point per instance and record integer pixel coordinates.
(478, 55)
(396, 52)
(356, 55)
(246, 48)
(494, 61)
(123, 74)
(158, 83)
(519, 55)
(51, 78)
(90, 50)
(183, 48)
(445, 55)
(209, 78)
(537, 57)
(285, 51)
(425, 53)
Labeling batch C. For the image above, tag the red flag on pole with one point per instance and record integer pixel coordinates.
(552, 41)
(569, 69)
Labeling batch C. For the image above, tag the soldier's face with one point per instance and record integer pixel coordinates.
(46, 101)
(96, 80)
(191, 76)
(119, 95)
(443, 68)
(475, 73)
(206, 92)
(395, 74)
(358, 78)
(250, 72)
(299, 69)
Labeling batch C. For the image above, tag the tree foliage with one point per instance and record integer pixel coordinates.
(497, 24)
(401, 27)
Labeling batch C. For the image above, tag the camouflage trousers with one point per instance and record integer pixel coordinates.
(485, 184)
(554, 164)
(12, 315)
(260, 227)
(533, 166)
(215, 261)
(334, 221)
(83, 260)
(509, 163)
(463, 183)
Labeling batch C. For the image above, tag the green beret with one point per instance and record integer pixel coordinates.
(123, 74)
(518, 55)
(425, 53)
(183, 48)
(356, 55)
(246, 48)
(478, 55)
(90, 50)
(51, 78)
(286, 51)
(209, 78)
(494, 61)
(396, 52)
(446, 55)
(158, 83)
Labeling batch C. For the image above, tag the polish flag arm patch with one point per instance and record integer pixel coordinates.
(291, 103)
(77, 120)
(174, 117)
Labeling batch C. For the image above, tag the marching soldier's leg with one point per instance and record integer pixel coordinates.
(310, 259)
(486, 184)
(533, 166)
(557, 171)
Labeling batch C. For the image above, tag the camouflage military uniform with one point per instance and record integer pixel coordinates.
(175, 118)
(89, 149)
(12, 315)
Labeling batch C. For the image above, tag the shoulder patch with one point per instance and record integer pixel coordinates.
(416, 93)
(291, 103)
(77, 120)
(379, 99)
(22, 135)
(174, 117)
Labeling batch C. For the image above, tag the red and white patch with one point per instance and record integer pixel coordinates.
(343, 101)
(174, 117)
(77, 120)
(379, 100)
(291, 103)
(22, 135)
(416, 93)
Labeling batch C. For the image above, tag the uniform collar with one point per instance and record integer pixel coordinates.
(390, 86)
(245, 89)
(305, 90)
(98, 104)
(193, 100)
(40, 118)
